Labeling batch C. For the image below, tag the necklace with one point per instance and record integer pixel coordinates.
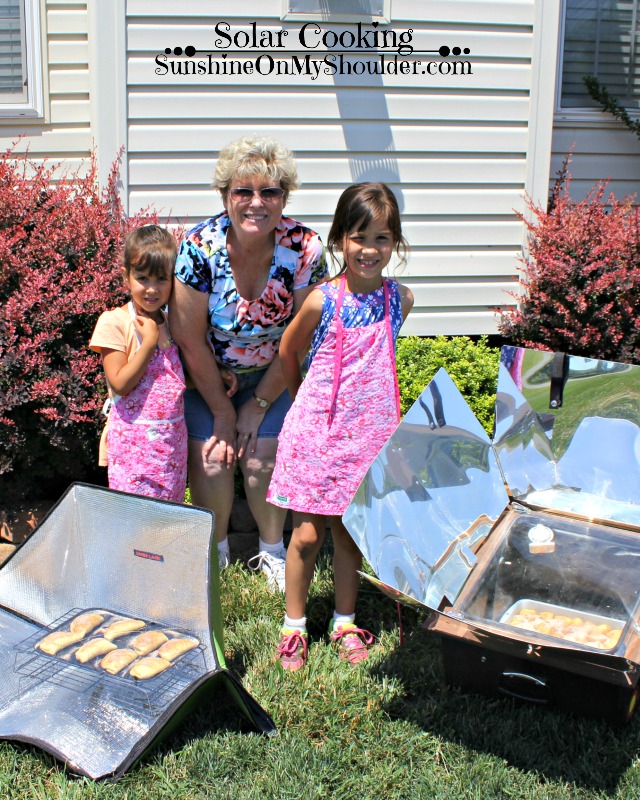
(166, 343)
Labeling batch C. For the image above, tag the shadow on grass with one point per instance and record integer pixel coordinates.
(222, 715)
(551, 744)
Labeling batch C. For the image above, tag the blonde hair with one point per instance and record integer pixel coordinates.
(256, 157)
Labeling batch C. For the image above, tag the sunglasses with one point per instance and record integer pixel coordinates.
(268, 195)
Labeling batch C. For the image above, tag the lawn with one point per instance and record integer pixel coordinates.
(609, 396)
(387, 729)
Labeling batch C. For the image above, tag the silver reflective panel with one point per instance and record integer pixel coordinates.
(568, 433)
(429, 499)
(117, 555)
(118, 551)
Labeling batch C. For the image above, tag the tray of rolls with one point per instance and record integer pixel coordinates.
(567, 624)
(114, 645)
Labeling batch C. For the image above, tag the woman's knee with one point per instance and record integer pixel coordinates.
(201, 466)
(257, 466)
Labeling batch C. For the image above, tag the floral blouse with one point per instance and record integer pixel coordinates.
(245, 334)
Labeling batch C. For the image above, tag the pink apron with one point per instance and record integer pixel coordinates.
(147, 434)
(346, 408)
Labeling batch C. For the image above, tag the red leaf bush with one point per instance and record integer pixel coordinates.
(581, 278)
(61, 240)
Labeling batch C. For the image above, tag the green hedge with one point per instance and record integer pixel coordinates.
(473, 367)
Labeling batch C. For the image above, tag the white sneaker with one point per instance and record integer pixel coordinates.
(223, 560)
(272, 565)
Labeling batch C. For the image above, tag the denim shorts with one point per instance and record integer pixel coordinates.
(199, 418)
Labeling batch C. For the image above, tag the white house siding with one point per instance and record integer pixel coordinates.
(65, 133)
(603, 149)
(454, 150)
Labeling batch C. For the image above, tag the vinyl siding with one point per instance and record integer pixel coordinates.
(455, 151)
(603, 149)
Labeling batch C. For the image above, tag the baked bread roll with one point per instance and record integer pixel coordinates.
(176, 647)
(57, 641)
(118, 659)
(94, 648)
(122, 628)
(572, 629)
(148, 668)
(145, 643)
(85, 623)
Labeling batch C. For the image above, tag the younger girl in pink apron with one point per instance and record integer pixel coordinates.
(146, 435)
(344, 410)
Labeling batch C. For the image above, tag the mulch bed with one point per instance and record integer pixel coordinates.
(18, 522)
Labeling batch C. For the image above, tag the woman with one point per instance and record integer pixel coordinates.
(241, 277)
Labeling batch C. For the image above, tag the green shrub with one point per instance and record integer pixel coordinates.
(473, 367)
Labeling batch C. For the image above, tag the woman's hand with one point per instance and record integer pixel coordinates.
(230, 380)
(250, 416)
(222, 444)
(190, 329)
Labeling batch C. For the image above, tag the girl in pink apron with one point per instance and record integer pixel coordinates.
(344, 410)
(146, 435)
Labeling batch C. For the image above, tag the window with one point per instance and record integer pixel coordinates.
(601, 38)
(20, 59)
(338, 10)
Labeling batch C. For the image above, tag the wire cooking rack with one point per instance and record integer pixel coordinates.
(148, 698)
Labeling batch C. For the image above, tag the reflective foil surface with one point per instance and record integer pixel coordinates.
(132, 556)
(429, 499)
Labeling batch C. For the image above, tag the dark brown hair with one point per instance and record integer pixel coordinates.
(150, 249)
(357, 207)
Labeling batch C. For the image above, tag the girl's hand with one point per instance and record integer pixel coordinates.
(124, 374)
(250, 416)
(148, 329)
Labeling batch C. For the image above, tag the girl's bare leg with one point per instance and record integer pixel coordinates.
(305, 544)
(347, 560)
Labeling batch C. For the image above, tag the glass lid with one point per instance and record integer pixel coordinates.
(429, 499)
(568, 433)
(565, 582)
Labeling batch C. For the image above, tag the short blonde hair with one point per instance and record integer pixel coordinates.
(256, 156)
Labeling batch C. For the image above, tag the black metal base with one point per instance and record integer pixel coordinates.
(478, 669)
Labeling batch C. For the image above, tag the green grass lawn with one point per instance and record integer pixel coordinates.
(388, 728)
(610, 396)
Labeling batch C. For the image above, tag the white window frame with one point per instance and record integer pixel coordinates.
(577, 113)
(33, 106)
(319, 16)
